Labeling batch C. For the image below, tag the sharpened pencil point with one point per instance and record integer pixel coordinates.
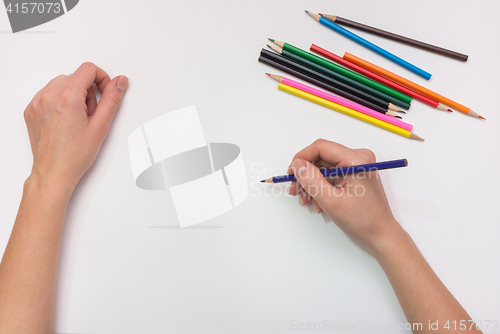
(472, 113)
(276, 49)
(394, 107)
(268, 74)
(272, 40)
(263, 181)
(398, 117)
(443, 107)
(481, 117)
(314, 16)
(414, 136)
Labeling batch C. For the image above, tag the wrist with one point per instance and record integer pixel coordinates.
(389, 241)
(50, 188)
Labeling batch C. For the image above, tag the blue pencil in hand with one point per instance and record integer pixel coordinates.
(340, 171)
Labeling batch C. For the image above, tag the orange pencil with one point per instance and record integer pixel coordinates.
(411, 85)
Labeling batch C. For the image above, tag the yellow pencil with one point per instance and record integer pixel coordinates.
(348, 111)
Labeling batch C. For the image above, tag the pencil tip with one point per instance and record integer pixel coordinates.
(481, 117)
(272, 40)
(263, 181)
(414, 136)
(402, 111)
(268, 74)
(314, 16)
(450, 110)
(398, 117)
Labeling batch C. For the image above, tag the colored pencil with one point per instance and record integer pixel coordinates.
(340, 77)
(341, 101)
(342, 171)
(348, 111)
(379, 78)
(343, 71)
(412, 85)
(277, 57)
(353, 24)
(314, 77)
(335, 27)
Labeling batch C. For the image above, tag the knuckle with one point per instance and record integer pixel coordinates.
(66, 95)
(87, 67)
(319, 141)
(367, 155)
(88, 64)
(26, 114)
(47, 96)
(33, 106)
(56, 79)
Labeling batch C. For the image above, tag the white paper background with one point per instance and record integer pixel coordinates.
(174, 133)
(195, 204)
(138, 152)
(269, 261)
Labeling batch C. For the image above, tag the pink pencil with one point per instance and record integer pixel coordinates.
(341, 101)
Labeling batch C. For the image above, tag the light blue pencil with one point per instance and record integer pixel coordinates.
(369, 45)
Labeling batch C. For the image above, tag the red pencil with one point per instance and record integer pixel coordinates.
(425, 99)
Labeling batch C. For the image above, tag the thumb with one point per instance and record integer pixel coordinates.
(311, 179)
(110, 101)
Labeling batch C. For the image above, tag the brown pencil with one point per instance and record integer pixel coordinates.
(399, 38)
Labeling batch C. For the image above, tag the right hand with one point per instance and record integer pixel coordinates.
(356, 203)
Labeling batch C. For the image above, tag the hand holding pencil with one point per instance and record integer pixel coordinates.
(358, 205)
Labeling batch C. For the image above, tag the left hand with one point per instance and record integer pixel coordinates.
(67, 126)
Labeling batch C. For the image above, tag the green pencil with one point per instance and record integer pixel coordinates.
(342, 78)
(344, 71)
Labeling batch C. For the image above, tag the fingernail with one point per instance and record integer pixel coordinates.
(290, 191)
(299, 167)
(318, 209)
(301, 200)
(122, 84)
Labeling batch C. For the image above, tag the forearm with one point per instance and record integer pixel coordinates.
(420, 292)
(28, 271)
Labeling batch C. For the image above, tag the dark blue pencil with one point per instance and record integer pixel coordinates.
(341, 171)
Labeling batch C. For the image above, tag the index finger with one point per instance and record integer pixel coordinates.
(88, 73)
(328, 151)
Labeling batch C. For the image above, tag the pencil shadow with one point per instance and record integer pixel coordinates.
(173, 227)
